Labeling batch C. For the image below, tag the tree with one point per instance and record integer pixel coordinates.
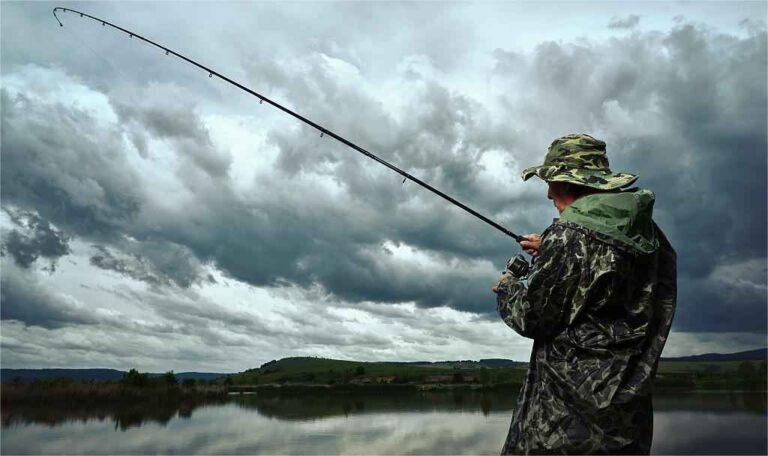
(188, 383)
(485, 377)
(169, 379)
(746, 370)
(134, 378)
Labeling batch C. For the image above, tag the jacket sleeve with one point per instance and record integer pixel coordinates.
(665, 299)
(538, 310)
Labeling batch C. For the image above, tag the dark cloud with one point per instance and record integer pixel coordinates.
(732, 296)
(91, 191)
(694, 129)
(27, 300)
(164, 111)
(81, 181)
(627, 22)
(34, 238)
(156, 263)
(132, 267)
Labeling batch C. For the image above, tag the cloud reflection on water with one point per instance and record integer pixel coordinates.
(684, 424)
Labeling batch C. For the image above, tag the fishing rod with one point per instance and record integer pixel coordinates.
(323, 131)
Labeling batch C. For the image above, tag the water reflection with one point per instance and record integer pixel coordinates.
(302, 407)
(123, 415)
(347, 423)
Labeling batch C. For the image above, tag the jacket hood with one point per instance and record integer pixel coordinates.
(622, 216)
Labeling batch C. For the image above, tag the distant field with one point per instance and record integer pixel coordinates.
(721, 375)
(701, 366)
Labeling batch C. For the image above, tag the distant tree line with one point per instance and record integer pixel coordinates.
(133, 379)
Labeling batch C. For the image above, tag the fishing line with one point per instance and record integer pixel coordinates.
(321, 130)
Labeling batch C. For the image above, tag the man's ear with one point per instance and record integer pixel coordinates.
(559, 188)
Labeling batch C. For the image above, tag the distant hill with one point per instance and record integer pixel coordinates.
(86, 375)
(308, 370)
(490, 363)
(29, 375)
(750, 355)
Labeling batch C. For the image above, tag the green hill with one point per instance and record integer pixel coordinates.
(305, 370)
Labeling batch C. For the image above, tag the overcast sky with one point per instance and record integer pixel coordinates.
(156, 218)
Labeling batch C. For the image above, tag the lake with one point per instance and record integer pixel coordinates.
(360, 423)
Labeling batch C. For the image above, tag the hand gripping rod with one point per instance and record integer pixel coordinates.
(323, 131)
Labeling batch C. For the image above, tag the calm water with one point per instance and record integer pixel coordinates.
(426, 423)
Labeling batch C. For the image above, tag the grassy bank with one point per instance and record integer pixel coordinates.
(96, 393)
(720, 375)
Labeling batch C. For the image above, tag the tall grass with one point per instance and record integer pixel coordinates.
(41, 393)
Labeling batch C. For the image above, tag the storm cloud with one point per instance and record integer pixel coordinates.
(27, 300)
(34, 238)
(694, 129)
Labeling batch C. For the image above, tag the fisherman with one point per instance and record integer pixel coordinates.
(597, 301)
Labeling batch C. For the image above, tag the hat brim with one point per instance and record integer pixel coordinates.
(599, 179)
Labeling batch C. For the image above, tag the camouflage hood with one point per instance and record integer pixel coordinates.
(625, 217)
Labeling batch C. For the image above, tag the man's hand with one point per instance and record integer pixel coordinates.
(495, 288)
(531, 243)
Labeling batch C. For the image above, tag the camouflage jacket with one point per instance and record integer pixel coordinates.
(598, 303)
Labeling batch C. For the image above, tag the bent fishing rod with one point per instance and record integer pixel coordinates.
(323, 131)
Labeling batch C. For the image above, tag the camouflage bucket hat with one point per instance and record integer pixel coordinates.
(582, 160)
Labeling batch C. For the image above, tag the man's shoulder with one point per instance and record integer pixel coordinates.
(564, 230)
(564, 235)
(589, 240)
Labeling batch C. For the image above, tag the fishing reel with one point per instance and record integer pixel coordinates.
(518, 266)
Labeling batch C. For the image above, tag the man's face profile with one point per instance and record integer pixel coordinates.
(558, 193)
